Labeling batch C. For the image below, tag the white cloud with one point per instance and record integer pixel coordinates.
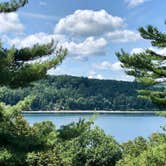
(116, 66)
(137, 50)
(90, 46)
(10, 22)
(89, 23)
(40, 38)
(95, 29)
(84, 33)
(98, 76)
(94, 75)
(39, 16)
(122, 77)
(116, 75)
(123, 36)
(134, 3)
(161, 51)
(56, 71)
(105, 65)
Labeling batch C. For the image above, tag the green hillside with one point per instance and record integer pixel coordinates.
(78, 93)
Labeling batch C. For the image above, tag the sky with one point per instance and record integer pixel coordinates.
(92, 31)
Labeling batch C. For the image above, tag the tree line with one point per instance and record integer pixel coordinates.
(76, 144)
(78, 93)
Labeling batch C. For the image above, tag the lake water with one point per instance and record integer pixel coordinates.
(123, 127)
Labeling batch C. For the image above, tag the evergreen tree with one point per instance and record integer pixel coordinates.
(148, 67)
(19, 67)
(12, 5)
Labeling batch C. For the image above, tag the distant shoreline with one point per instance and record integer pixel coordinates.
(86, 111)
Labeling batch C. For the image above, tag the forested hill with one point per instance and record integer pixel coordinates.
(78, 93)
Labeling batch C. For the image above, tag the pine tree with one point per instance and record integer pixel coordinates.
(19, 67)
(148, 67)
(12, 5)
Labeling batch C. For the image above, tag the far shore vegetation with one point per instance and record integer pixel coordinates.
(75, 144)
(78, 93)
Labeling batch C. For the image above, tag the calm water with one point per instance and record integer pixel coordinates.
(122, 126)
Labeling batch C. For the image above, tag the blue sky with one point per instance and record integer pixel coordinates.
(91, 30)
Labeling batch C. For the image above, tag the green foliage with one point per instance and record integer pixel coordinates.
(95, 148)
(20, 67)
(154, 96)
(77, 144)
(12, 5)
(135, 147)
(163, 113)
(152, 33)
(73, 130)
(5, 157)
(46, 158)
(74, 93)
(145, 153)
(41, 144)
(148, 67)
(18, 138)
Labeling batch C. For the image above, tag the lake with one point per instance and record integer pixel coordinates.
(123, 126)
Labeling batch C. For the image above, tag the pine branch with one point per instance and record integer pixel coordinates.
(148, 67)
(15, 76)
(12, 5)
(37, 51)
(143, 65)
(151, 33)
(19, 67)
(155, 96)
(155, 55)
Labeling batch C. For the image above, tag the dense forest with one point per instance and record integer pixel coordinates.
(78, 93)
(75, 144)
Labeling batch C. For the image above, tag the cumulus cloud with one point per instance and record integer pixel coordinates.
(84, 33)
(90, 46)
(98, 76)
(123, 36)
(10, 22)
(134, 3)
(117, 75)
(94, 75)
(122, 77)
(161, 51)
(89, 23)
(137, 50)
(86, 23)
(40, 38)
(105, 65)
